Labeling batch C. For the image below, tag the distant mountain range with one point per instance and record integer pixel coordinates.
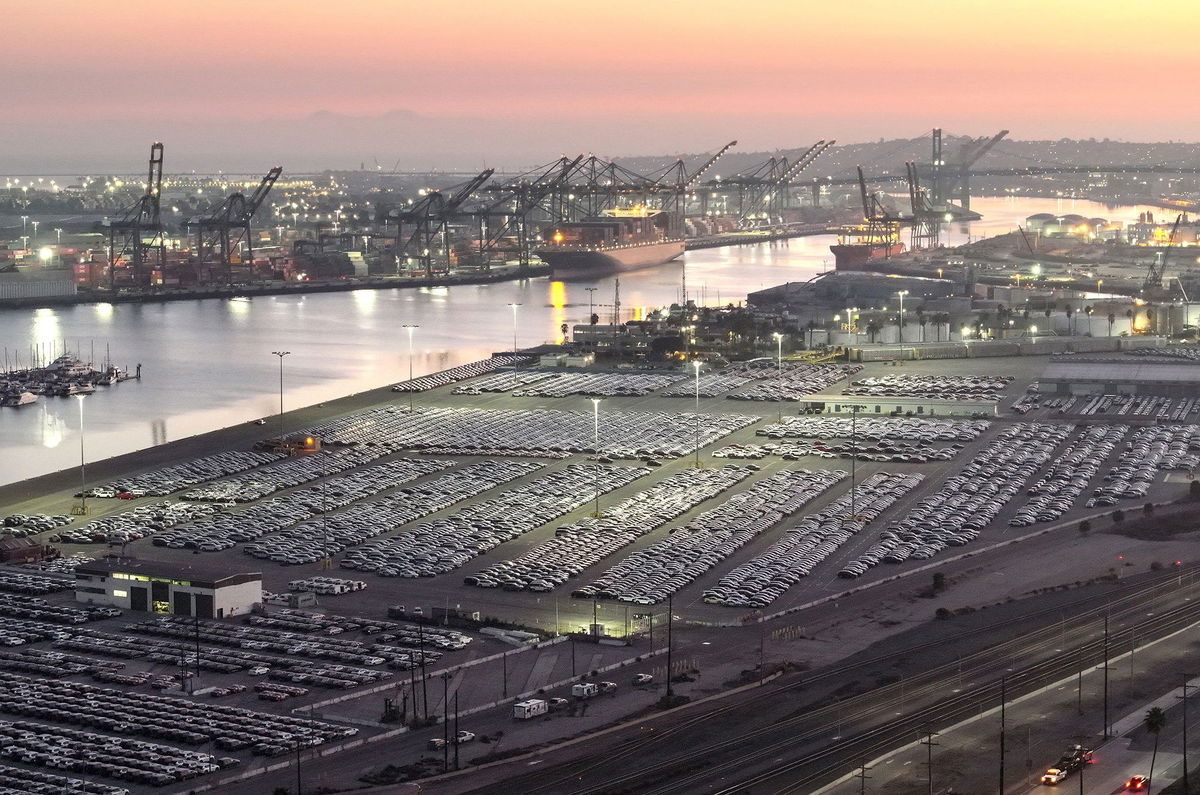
(408, 141)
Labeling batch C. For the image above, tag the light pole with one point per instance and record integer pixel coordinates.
(24, 224)
(515, 306)
(779, 370)
(596, 450)
(33, 240)
(696, 367)
(409, 327)
(902, 293)
(281, 354)
(58, 245)
(591, 311)
(82, 464)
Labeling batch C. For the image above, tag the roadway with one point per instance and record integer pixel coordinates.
(782, 738)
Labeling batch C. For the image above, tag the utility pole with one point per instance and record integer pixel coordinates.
(504, 664)
(1105, 735)
(929, 744)
(424, 676)
(670, 622)
(762, 665)
(1003, 699)
(1186, 789)
(456, 730)
(862, 778)
(446, 722)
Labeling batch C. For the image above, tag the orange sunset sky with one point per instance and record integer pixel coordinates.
(509, 78)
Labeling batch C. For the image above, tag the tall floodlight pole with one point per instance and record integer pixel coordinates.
(410, 327)
(281, 354)
(696, 367)
(902, 293)
(591, 294)
(779, 371)
(596, 450)
(514, 306)
(82, 464)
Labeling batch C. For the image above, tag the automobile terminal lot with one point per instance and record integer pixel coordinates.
(427, 508)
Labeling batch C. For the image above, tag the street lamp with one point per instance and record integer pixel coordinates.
(902, 293)
(410, 327)
(779, 370)
(58, 249)
(591, 311)
(281, 354)
(696, 367)
(33, 240)
(514, 306)
(596, 451)
(82, 464)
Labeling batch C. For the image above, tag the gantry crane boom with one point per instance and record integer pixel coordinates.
(1158, 268)
(712, 161)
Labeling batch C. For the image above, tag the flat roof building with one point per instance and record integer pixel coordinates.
(153, 587)
(1122, 377)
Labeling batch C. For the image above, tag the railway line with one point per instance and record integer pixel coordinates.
(797, 752)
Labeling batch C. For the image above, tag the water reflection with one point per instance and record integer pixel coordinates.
(208, 364)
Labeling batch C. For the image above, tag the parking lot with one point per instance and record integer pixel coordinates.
(485, 500)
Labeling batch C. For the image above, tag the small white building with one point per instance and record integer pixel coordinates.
(154, 587)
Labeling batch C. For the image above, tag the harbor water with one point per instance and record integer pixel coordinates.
(208, 364)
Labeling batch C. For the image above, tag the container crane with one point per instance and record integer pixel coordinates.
(520, 199)
(227, 227)
(423, 228)
(139, 229)
(926, 219)
(768, 196)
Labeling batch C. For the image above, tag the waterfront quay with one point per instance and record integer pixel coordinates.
(470, 498)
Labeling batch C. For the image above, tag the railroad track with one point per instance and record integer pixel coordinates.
(703, 763)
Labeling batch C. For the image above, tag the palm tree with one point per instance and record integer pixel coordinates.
(1153, 722)
(1112, 318)
(873, 328)
(812, 325)
(1070, 323)
(923, 320)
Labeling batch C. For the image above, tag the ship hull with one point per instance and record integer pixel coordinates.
(569, 264)
(856, 256)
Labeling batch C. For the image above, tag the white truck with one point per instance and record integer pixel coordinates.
(524, 710)
(585, 690)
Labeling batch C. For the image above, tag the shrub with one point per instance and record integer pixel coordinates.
(939, 581)
(1148, 509)
(1118, 515)
(942, 613)
(1194, 488)
(1156, 566)
(1085, 527)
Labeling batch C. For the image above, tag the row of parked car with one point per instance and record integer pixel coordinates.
(225, 529)
(22, 781)
(625, 384)
(21, 582)
(1149, 450)
(871, 427)
(170, 479)
(20, 525)
(937, 387)
(135, 524)
(143, 714)
(502, 381)
(461, 372)
(1055, 492)
(76, 751)
(797, 380)
(258, 483)
(968, 501)
(883, 450)
(584, 543)
(711, 385)
(766, 577)
(441, 545)
(311, 540)
(1160, 408)
(631, 434)
(35, 608)
(651, 575)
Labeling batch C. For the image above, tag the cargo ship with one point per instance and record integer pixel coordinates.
(858, 245)
(623, 239)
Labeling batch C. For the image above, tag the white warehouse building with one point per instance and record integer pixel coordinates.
(153, 587)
